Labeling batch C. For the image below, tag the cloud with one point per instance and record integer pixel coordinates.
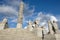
(52, 18)
(27, 10)
(58, 17)
(45, 17)
(14, 20)
(25, 27)
(7, 10)
(11, 8)
(14, 3)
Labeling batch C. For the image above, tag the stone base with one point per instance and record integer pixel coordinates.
(17, 34)
(57, 36)
(19, 25)
(49, 37)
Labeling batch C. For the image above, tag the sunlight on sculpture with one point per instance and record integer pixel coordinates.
(4, 24)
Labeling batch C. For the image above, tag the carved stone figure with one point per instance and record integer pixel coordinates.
(4, 24)
(30, 28)
(55, 26)
(50, 28)
(20, 15)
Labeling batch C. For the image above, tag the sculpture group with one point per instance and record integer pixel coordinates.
(32, 26)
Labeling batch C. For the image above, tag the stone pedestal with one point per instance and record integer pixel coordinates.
(39, 32)
(19, 25)
(57, 36)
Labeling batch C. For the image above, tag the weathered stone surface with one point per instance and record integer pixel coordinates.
(57, 36)
(49, 37)
(21, 34)
(17, 34)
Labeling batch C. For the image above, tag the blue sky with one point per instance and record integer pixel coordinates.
(49, 6)
(32, 10)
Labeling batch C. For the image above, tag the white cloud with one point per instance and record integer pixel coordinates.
(53, 18)
(7, 10)
(58, 17)
(43, 23)
(45, 17)
(27, 10)
(14, 3)
(14, 20)
(25, 27)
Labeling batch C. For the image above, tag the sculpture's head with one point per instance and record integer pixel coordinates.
(37, 21)
(4, 20)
